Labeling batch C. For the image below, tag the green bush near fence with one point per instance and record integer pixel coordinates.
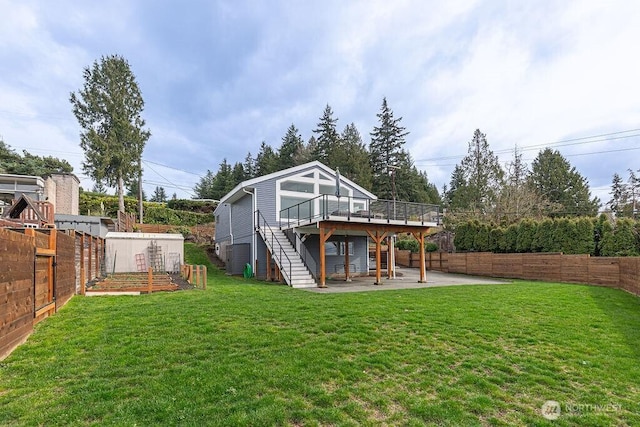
(595, 236)
(414, 246)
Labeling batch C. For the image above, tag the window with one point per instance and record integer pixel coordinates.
(298, 187)
(331, 248)
(327, 189)
(337, 248)
(342, 249)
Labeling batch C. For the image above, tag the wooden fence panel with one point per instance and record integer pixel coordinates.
(630, 274)
(403, 258)
(574, 268)
(458, 263)
(65, 269)
(480, 263)
(604, 271)
(42, 239)
(16, 289)
(545, 267)
(508, 265)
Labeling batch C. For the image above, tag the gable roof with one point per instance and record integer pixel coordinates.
(232, 195)
(19, 206)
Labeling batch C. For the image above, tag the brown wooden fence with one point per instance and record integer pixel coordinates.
(616, 272)
(38, 275)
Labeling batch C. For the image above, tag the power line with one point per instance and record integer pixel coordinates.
(564, 155)
(169, 182)
(171, 167)
(561, 143)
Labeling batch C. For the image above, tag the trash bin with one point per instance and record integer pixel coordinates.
(248, 271)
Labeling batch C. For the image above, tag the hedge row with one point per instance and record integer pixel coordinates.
(154, 213)
(595, 236)
(414, 246)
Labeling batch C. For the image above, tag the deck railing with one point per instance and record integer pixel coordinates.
(355, 208)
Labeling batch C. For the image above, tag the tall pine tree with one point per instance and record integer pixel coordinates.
(108, 109)
(291, 144)
(327, 137)
(386, 151)
(556, 180)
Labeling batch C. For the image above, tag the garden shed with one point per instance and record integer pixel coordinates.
(131, 252)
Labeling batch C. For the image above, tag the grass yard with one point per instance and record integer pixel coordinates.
(248, 353)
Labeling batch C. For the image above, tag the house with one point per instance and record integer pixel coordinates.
(60, 189)
(307, 222)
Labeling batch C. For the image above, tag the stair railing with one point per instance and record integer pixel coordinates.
(308, 259)
(272, 239)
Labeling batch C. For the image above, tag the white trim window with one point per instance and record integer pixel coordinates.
(306, 186)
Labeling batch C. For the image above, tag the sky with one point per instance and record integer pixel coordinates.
(220, 77)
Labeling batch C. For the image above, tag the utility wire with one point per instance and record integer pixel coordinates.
(562, 143)
(161, 176)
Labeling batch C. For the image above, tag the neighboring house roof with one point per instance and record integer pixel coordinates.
(238, 192)
(20, 205)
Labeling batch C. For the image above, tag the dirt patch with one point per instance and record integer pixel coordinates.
(211, 254)
(180, 282)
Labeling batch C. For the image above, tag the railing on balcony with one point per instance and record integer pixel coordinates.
(361, 210)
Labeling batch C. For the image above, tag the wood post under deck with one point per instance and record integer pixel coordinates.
(378, 238)
(324, 236)
(346, 259)
(377, 233)
(420, 238)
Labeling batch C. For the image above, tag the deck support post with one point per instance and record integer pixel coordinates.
(346, 259)
(378, 238)
(420, 238)
(324, 236)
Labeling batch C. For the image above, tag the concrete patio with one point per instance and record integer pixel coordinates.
(406, 278)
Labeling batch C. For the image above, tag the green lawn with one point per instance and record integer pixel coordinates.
(248, 353)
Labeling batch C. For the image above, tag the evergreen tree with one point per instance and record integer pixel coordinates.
(291, 144)
(132, 190)
(238, 174)
(266, 161)
(249, 167)
(386, 152)
(517, 199)
(328, 137)
(553, 178)
(108, 109)
(622, 241)
(99, 188)
(204, 188)
(159, 195)
(351, 156)
(483, 173)
(619, 196)
(632, 194)
(475, 183)
(29, 164)
(223, 181)
(305, 153)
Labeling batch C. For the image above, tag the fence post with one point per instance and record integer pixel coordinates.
(150, 280)
(204, 277)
